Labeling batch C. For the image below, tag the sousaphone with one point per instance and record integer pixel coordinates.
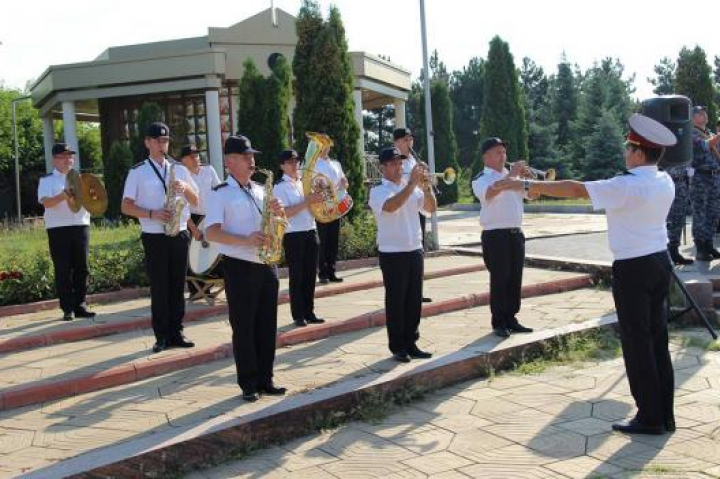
(86, 191)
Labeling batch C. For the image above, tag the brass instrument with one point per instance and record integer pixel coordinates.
(535, 174)
(335, 203)
(86, 191)
(174, 203)
(273, 226)
(448, 176)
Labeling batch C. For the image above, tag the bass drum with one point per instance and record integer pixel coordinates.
(204, 255)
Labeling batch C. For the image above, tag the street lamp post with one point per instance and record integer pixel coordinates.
(430, 134)
(17, 154)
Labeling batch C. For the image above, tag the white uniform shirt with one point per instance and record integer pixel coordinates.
(398, 231)
(408, 164)
(238, 211)
(60, 214)
(504, 210)
(331, 169)
(205, 180)
(290, 193)
(636, 205)
(146, 189)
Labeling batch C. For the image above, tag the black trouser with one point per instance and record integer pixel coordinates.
(301, 254)
(504, 255)
(252, 295)
(402, 276)
(329, 234)
(69, 253)
(640, 290)
(166, 263)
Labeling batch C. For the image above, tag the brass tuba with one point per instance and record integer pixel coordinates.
(272, 225)
(336, 203)
(174, 203)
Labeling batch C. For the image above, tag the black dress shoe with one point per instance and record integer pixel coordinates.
(519, 328)
(324, 281)
(426, 300)
(636, 427)
(272, 390)
(401, 357)
(181, 342)
(417, 353)
(315, 320)
(300, 323)
(67, 317)
(501, 332)
(670, 424)
(160, 345)
(250, 396)
(83, 312)
(335, 279)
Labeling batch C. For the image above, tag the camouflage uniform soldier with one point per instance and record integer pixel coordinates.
(678, 212)
(705, 186)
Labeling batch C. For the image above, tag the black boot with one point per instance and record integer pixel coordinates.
(676, 257)
(702, 252)
(711, 249)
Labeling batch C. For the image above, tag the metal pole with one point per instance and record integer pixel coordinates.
(17, 155)
(428, 119)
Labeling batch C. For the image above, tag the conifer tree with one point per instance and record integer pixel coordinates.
(693, 79)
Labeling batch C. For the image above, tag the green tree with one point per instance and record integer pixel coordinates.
(564, 98)
(466, 91)
(664, 80)
(251, 104)
(503, 112)
(276, 121)
(149, 113)
(538, 113)
(117, 165)
(89, 147)
(444, 138)
(693, 79)
(604, 157)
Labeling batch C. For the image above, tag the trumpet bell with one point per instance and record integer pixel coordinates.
(550, 174)
(449, 176)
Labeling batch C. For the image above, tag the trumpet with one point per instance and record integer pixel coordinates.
(534, 173)
(448, 176)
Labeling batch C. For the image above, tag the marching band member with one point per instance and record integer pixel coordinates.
(396, 204)
(68, 236)
(166, 256)
(503, 241)
(300, 241)
(636, 205)
(234, 219)
(704, 186)
(205, 178)
(329, 233)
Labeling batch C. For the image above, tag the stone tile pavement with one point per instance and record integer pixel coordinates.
(553, 424)
(36, 437)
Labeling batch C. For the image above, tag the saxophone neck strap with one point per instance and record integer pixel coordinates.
(248, 191)
(157, 173)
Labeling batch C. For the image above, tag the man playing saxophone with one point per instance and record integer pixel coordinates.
(234, 221)
(148, 186)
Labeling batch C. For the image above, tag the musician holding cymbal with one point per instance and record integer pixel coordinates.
(68, 235)
(636, 204)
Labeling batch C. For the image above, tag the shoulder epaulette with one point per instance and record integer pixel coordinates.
(47, 175)
(221, 185)
(375, 183)
(624, 172)
(478, 175)
(136, 165)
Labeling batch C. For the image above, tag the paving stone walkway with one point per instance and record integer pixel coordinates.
(35, 437)
(553, 424)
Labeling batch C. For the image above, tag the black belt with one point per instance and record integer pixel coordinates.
(708, 172)
(512, 231)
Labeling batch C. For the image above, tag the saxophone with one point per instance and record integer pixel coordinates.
(272, 225)
(174, 203)
(336, 203)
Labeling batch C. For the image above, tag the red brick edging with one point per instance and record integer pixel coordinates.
(119, 375)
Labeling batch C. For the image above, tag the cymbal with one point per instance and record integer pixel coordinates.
(94, 195)
(73, 185)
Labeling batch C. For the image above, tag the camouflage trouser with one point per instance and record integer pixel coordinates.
(679, 210)
(705, 198)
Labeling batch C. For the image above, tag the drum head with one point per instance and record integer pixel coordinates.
(203, 255)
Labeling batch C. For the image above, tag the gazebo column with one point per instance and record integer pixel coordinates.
(70, 129)
(357, 99)
(48, 140)
(214, 134)
(399, 113)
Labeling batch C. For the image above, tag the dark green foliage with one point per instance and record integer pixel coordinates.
(503, 112)
(664, 81)
(604, 157)
(149, 113)
(466, 91)
(323, 91)
(251, 100)
(564, 102)
(538, 113)
(444, 138)
(693, 79)
(117, 165)
(89, 147)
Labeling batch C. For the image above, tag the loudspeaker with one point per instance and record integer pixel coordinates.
(673, 111)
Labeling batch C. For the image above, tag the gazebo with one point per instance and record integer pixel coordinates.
(194, 80)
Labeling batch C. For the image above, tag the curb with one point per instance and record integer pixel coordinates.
(224, 438)
(119, 375)
(98, 330)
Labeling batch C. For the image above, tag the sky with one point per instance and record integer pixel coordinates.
(40, 33)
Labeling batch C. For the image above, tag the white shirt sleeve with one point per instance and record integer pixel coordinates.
(480, 187)
(43, 190)
(184, 175)
(279, 191)
(214, 209)
(609, 194)
(131, 185)
(378, 197)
